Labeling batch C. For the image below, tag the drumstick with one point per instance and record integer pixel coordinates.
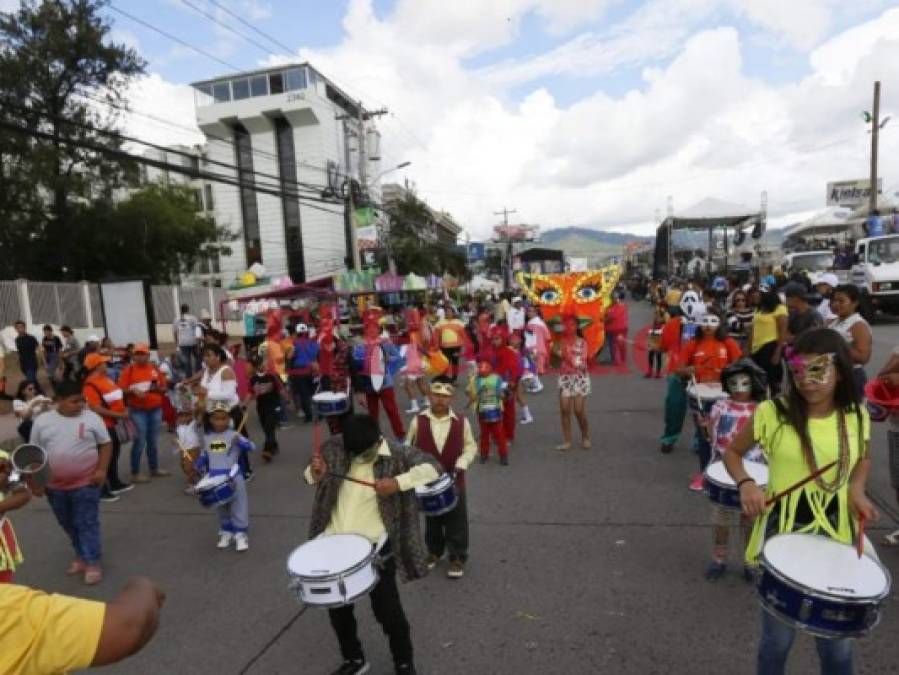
(696, 395)
(860, 544)
(367, 483)
(243, 421)
(316, 448)
(796, 486)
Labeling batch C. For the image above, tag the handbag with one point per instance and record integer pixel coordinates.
(124, 430)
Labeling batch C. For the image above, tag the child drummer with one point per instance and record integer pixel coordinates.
(389, 508)
(486, 391)
(440, 432)
(746, 385)
(187, 444)
(220, 456)
(11, 498)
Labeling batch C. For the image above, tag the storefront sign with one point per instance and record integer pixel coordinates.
(851, 192)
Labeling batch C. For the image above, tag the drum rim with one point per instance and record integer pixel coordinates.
(820, 632)
(444, 477)
(767, 565)
(446, 509)
(342, 603)
(729, 486)
(336, 576)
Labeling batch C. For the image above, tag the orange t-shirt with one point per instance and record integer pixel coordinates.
(100, 390)
(136, 376)
(709, 357)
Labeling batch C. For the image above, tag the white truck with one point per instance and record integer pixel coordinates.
(875, 271)
(813, 263)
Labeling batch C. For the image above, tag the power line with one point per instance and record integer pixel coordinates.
(173, 38)
(227, 11)
(216, 20)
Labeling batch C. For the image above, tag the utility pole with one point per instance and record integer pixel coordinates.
(507, 277)
(360, 132)
(875, 127)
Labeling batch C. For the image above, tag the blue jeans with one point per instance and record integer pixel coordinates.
(148, 423)
(777, 639)
(190, 359)
(78, 512)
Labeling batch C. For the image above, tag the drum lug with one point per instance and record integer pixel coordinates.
(805, 610)
(341, 588)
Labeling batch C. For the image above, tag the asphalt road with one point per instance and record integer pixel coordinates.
(585, 562)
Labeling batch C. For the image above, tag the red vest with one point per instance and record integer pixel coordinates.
(452, 448)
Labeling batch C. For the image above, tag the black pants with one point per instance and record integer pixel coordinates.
(449, 532)
(268, 418)
(655, 361)
(452, 355)
(113, 482)
(303, 387)
(774, 371)
(388, 610)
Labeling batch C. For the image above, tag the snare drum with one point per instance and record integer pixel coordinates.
(821, 586)
(722, 489)
(215, 490)
(330, 403)
(438, 497)
(492, 414)
(706, 393)
(334, 570)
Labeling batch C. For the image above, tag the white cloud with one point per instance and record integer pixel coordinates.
(172, 106)
(802, 23)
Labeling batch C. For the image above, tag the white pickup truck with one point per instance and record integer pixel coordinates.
(875, 271)
(813, 263)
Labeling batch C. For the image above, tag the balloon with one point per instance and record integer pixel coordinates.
(247, 279)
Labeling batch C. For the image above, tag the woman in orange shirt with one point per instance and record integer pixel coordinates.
(702, 359)
(106, 398)
(144, 385)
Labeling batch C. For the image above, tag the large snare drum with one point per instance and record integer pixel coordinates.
(706, 393)
(437, 498)
(821, 585)
(330, 403)
(215, 490)
(334, 570)
(722, 489)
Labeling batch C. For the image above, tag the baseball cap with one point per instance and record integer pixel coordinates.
(141, 348)
(91, 361)
(302, 328)
(92, 338)
(830, 279)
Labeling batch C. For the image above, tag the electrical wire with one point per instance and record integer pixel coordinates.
(268, 37)
(216, 20)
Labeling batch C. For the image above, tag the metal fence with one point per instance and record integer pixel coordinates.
(78, 304)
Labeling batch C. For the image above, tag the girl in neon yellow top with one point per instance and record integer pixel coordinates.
(817, 421)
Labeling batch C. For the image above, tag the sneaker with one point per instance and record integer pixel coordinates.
(93, 575)
(266, 456)
(667, 448)
(121, 487)
(285, 425)
(241, 541)
(250, 476)
(526, 420)
(696, 484)
(225, 539)
(139, 478)
(161, 473)
(411, 410)
(504, 461)
(353, 667)
(108, 496)
(715, 570)
(456, 569)
(75, 567)
(190, 491)
(432, 561)
(405, 669)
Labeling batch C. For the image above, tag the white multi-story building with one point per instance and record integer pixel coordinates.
(284, 135)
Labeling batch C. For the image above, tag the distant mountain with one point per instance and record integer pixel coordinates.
(583, 242)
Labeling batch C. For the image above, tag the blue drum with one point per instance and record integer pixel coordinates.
(437, 498)
(491, 414)
(821, 586)
(331, 403)
(215, 490)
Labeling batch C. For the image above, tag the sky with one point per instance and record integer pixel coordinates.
(571, 112)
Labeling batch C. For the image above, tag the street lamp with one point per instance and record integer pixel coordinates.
(403, 165)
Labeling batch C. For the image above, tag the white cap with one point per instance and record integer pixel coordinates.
(92, 338)
(830, 279)
(302, 328)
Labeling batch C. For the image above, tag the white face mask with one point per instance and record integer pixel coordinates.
(739, 384)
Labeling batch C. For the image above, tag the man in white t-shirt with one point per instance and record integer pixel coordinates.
(187, 331)
(515, 316)
(79, 451)
(825, 286)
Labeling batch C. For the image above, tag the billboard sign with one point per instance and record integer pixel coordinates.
(476, 252)
(851, 193)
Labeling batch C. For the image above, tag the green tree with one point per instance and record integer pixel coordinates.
(56, 62)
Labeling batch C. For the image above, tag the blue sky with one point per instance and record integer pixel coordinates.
(588, 112)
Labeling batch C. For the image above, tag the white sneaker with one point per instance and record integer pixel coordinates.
(242, 541)
(526, 420)
(225, 539)
(413, 409)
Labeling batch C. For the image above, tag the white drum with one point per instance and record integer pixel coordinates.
(706, 391)
(722, 489)
(334, 570)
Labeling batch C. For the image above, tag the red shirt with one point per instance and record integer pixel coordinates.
(102, 392)
(616, 318)
(709, 357)
(137, 376)
(670, 341)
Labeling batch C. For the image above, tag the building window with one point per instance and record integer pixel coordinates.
(259, 85)
(290, 205)
(296, 79)
(221, 92)
(241, 89)
(198, 199)
(210, 204)
(276, 83)
(243, 151)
